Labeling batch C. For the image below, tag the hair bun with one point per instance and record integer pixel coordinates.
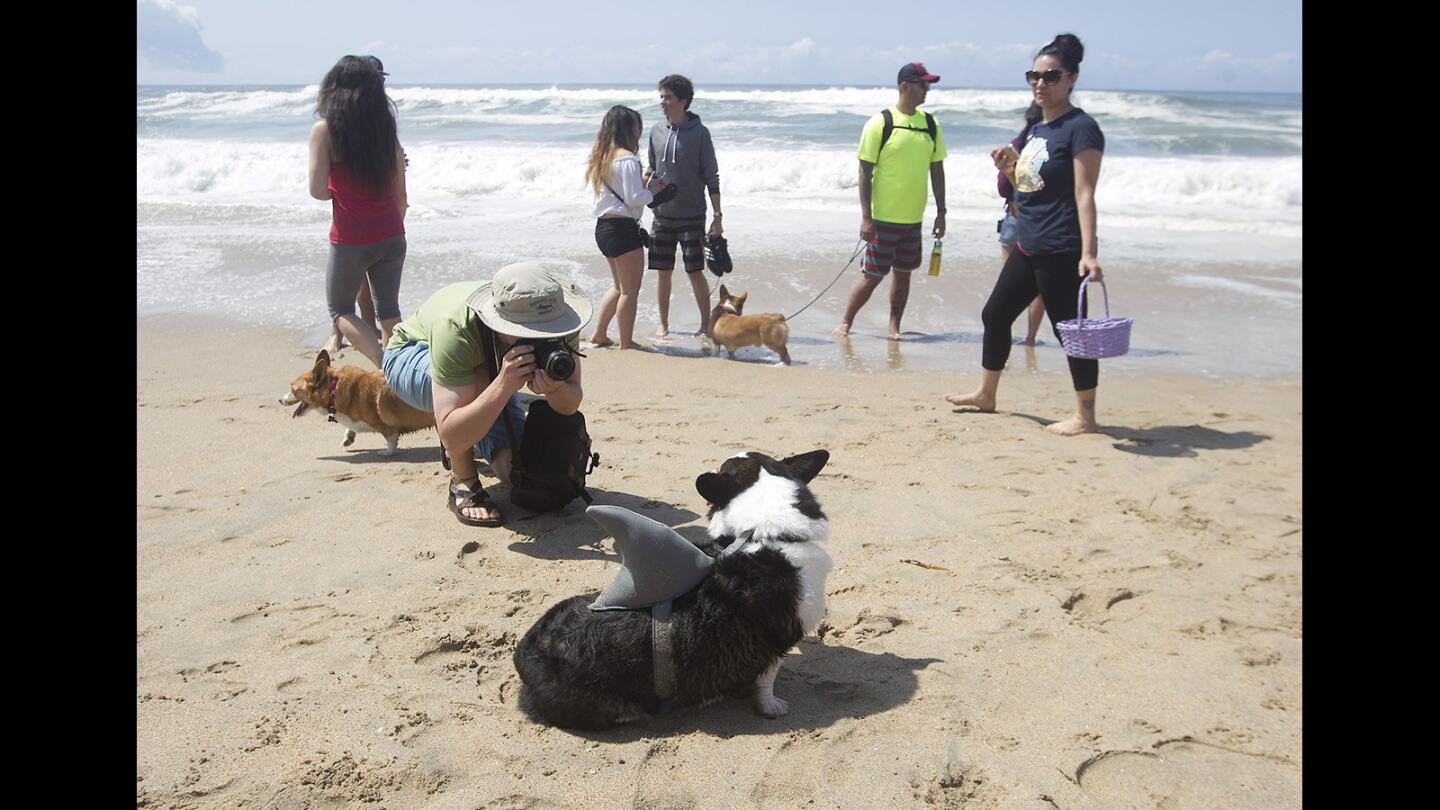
(1069, 45)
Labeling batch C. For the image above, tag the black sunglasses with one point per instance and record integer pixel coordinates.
(1050, 76)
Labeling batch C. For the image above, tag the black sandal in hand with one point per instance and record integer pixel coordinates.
(468, 495)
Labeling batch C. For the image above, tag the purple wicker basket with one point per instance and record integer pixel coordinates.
(1092, 338)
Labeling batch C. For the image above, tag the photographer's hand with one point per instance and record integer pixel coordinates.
(517, 366)
(542, 384)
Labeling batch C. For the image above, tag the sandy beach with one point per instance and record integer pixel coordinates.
(1015, 620)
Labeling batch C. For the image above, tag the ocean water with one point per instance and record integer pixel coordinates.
(1199, 200)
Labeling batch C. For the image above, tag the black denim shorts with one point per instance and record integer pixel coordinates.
(616, 236)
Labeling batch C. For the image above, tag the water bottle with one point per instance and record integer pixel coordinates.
(935, 259)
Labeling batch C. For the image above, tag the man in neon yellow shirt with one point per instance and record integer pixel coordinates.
(892, 194)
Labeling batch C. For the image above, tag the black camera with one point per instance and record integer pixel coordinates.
(552, 357)
(664, 195)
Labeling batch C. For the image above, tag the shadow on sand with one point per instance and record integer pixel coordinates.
(822, 683)
(570, 535)
(1169, 441)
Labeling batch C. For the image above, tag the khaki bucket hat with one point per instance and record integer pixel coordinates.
(527, 301)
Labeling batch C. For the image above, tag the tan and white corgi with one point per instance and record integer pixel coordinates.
(731, 328)
(359, 400)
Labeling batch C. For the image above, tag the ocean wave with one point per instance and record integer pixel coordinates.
(1247, 195)
(1240, 287)
(209, 104)
(1134, 123)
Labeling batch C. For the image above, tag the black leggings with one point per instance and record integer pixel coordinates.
(1054, 277)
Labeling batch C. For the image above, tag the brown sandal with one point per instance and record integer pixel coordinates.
(468, 497)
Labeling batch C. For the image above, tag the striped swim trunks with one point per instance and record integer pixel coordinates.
(692, 249)
(895, 246)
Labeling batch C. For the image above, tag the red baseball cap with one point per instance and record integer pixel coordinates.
(916, 72)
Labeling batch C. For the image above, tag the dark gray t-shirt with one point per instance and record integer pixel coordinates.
(1048, 221)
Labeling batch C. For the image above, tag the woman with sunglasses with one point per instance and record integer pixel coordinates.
(1055, 244)
(357, 164)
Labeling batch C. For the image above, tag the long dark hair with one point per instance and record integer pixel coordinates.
(617, 131)
(1034, 115)
(361, 119)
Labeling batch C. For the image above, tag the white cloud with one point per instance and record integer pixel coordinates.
(1226, 62)
(167, 36)
(802, 46)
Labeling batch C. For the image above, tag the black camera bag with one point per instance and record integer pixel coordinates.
(553, 460)
(550, 464)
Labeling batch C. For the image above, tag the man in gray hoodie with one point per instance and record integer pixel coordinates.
(681, 147)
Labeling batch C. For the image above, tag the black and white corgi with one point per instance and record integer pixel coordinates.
(591, 670)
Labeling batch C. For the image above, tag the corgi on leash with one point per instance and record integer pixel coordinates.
(359, 400)
(731, 328)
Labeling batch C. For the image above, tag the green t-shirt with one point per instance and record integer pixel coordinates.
(452, 331)
(898, 186)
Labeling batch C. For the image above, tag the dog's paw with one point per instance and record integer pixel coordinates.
(389, 450)
(772, 707)
(349, 438)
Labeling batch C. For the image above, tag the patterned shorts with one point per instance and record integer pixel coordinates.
(692, 249)
(895, 246)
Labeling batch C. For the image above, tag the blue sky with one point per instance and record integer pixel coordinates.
(1217, 45)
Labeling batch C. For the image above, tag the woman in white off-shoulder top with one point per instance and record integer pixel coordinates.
(621, 193)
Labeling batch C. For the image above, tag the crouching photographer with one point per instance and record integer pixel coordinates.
(466, 353)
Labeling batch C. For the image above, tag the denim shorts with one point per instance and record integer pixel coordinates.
(1008, 230)
(407, 372)
(616, 236)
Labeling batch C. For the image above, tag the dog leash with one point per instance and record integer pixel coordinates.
(859, 248)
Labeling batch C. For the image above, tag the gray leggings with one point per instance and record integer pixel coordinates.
(346, 270)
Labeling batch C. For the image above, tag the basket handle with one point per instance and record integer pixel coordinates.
(1080, 300)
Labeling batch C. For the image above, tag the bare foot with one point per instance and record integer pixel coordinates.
(843, 330)
(1074, 426)
(976, 400)
(601, 343)
(700, 333)
(895, 336)
(663, 331)
(636, 345)
(1030, 341)
(332, 346)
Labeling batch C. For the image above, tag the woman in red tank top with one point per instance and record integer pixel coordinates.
(357, 164)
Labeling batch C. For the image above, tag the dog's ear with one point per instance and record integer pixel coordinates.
(807, 465)
(740, 302)
(724, 293)
(717, 489)
(322, 365)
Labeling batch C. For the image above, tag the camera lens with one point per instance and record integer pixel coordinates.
(560, 365)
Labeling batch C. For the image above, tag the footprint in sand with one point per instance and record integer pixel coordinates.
(656, 782)
(1092, 604)
(799, 770)
(1189, 773)
(867, 625)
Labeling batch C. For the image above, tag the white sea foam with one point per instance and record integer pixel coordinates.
(1249, 195)
(1240, 287)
